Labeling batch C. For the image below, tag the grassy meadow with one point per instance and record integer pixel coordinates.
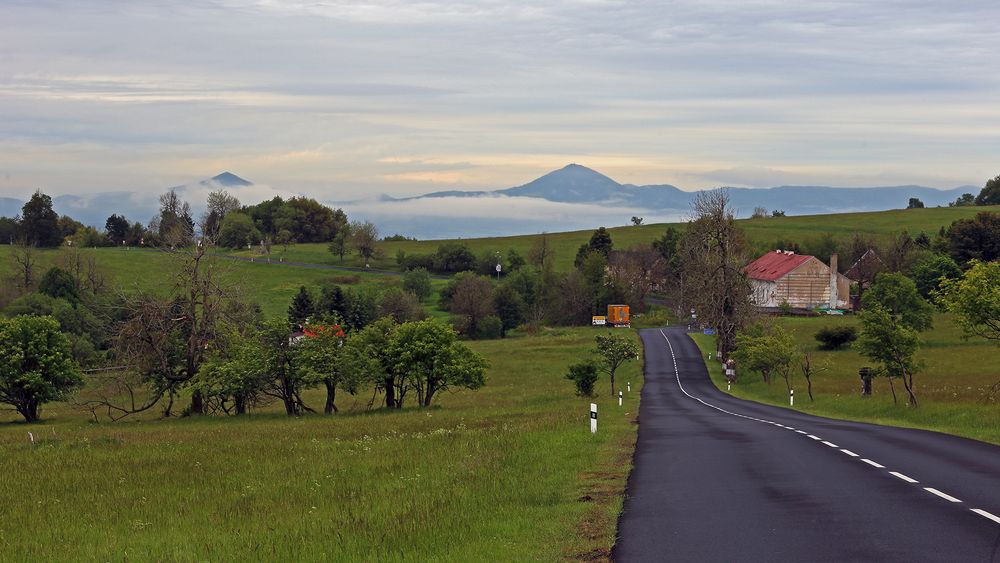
(761, 233)
(950, 389)
(272, 285)
(508, 472)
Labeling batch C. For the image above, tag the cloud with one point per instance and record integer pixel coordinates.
(339, 98)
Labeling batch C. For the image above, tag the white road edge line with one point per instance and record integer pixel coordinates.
(849, 452)
(947, 497)
(872, 463)
(903, 477)
(830, 444)
(985, 514)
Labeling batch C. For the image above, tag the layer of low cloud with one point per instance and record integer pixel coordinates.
(345, 100)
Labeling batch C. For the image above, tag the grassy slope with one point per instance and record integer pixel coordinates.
(272, 285)
(762, 233)
(950, 388)
(509, 472)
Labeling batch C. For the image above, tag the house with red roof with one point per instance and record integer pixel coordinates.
(782, 277)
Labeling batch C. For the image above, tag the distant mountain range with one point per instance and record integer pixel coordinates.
(579, 184)
(573, 197)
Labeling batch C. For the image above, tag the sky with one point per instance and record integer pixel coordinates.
(344, 100)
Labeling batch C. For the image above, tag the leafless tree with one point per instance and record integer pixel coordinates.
(25, 258)
(541, 255)
(636, 272)
(714, 252)
(162, 341)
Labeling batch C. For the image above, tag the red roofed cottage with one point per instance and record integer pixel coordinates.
(803, 282)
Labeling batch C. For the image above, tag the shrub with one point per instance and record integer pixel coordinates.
(836, 337)
(418, 282)
(489, 328)
(584, 376)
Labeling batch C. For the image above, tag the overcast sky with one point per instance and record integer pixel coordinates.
(344, 100)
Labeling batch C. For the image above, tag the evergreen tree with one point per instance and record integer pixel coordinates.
(302, 307)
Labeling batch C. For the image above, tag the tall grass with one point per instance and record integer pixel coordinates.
(509, 472)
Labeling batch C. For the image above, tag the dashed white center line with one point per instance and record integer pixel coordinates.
(947, 497)
(849, 452)
(801, 431)
(903, 477)
(985, 514)
(832, 445)
(814, 437)
(872, 463)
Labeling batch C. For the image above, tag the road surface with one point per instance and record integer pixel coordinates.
(722, 479)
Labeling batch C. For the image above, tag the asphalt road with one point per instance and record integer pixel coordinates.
(722, 479)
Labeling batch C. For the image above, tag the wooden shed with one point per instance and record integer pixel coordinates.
(800, 281)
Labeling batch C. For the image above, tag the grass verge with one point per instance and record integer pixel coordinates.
(950, 389)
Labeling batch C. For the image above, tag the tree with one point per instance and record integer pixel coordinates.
(471, 302)
(767, 350)
(759, 213)
(713, 282)
(364, 239)
(39, 223)
(237, 231)
(117, 228)
(931, 271)
(885, 339)
(614, 350)
(429, 358)
(636, 221)
(36, 366)
(453, 257)
(809, 370)
(162, 341)
(990, 195)
(964, 200)
(636, 272)
(898, 295)
(600, 241)
(366, 357)
(541, 255)
(8, 230)
(915, 203)
(284, 238)
(584, 376)
(319, 356)
(338, 246)
(175, 224)
(974, 299)
(418, 282)
(514, 261)
(401, 306)
(279, 359)
(302, 307)
(977, 238)
(219, 205)
(25, 258)
(59, 283)
(509, 308)
(332, 302)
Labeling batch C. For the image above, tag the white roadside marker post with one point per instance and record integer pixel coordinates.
(619, 398)
(32, 438)
(629, 386)
(791, 397)
(593, 418)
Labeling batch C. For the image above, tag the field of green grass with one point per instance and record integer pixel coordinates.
(761, 233)
(508, 472)
(950, 389)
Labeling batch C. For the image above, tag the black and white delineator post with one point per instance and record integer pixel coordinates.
(593, 418)
(791, 397)
(619, 398)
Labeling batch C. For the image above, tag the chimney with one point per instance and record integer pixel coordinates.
(833, 281)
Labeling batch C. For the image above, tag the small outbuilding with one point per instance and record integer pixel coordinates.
(784, 278)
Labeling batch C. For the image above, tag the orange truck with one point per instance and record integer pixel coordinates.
(618, 315)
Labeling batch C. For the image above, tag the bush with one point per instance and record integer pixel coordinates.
(584, 376)
(489, 328)
(418, 282)
(836, 337)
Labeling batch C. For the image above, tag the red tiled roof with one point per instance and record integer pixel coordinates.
(774, 265)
